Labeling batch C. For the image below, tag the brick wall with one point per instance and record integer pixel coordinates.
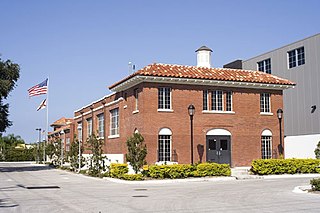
(245, 125)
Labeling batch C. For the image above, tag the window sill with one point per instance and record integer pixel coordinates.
(135, 111)
(100, 138)
(217, 112)
(165, 163)
(165, 110)
(266, 113)
(113, 136)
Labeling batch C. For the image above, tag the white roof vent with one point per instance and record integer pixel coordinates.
(204, 57)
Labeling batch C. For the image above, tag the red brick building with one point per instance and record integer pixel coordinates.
(235, 118)
(63, 129)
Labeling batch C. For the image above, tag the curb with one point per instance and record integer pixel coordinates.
(301, 189)
(205, 179)
(290, 176)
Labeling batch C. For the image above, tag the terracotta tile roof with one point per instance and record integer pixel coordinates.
(62, 121)
(194, 72)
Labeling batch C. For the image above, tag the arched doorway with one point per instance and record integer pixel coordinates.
(218, 142)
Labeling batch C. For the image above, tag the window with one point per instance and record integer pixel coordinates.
(79, 131)
(265, 103)
(266, 144)
(136, 97)
(164, 98)
(205, 99)
(265, 66)
(229, 101)
(164, 145)
(89, 127)
(296, 57)
(101, 125)
(114, 122)
(217, 102)
(67, 144)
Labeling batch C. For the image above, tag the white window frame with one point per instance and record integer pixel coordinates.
(136, 99)
(100, 125)
(162, 91)
(205, 99)
(89, 127)
(263, 65)
(296, 61)
(164, 156)
(231, 107)
(266, 144)
(215, 95)
(114, 123)
(265, 108)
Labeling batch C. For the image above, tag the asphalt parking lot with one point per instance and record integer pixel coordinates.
(25, 187)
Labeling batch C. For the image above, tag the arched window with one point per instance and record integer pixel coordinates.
(266, 144)
(164, 144)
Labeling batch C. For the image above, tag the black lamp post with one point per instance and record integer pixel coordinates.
(279, 115)
(39, 140)
(191, 111)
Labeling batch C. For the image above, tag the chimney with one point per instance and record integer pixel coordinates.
(204, 57)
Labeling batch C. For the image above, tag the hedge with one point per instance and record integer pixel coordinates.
(118, 169)
(212, 169)
(187, 170)
(285, 166)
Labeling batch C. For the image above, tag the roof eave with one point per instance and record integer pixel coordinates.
(193, 81)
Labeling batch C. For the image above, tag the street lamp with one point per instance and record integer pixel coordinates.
(62, 144)
(191, 111)
(79, 158)
(38, 157)
(279, 115)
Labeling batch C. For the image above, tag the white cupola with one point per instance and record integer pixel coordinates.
(204, 57)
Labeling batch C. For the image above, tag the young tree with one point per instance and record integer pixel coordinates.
(9, 74)
(317, 151)
(53, 150)
(97, 160)
(137, 152)
(74, 155)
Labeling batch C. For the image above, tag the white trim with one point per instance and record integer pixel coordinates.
(218, 132)
(266, 113)
(159, 163)
(135, 111)
(217, 112)
(107, 96)
(113, 136)
(266, 132)
(95, 109)
(191, 81)
(165, 131)
(165, 110)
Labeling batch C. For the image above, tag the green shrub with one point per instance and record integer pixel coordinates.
(187, 170)
(132, 177)
(171, 171)
(212, 169)
(285, 166)
(315, 184)
(117, 170)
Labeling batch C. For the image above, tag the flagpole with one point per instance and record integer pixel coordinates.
(47, 127)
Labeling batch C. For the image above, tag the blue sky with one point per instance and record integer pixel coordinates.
(85, 46)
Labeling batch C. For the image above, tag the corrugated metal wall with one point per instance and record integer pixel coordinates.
(298, 101)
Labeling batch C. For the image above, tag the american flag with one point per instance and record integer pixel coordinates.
(39, 89)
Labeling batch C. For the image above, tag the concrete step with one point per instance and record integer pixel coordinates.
(242, 173)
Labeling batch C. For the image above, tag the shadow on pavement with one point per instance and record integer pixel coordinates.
(28, 168)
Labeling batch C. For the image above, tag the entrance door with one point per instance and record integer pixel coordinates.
(219, 149)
